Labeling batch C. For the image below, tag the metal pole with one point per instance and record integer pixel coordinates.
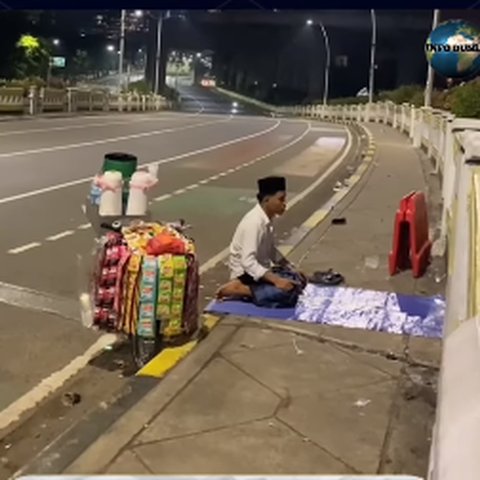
(122, 49)
(373, 47)
(49, 71)
(430, 74)
(326, 83)
(158, 54)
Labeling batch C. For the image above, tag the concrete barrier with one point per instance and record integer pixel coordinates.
(53, 100)
(13, 100)
(44, 100)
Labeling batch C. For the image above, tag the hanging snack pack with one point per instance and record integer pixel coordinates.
(146, 282)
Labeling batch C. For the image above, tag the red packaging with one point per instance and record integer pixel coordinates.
(112, 276)
(112, 256)
(104, 276)
(101, 315)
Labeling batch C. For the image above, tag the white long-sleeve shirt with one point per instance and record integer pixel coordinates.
(252, 250)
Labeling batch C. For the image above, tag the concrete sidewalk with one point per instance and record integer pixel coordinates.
(258, 397)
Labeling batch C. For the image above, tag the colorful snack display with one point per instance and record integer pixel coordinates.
(135, 292)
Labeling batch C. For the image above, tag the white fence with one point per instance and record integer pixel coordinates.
(453, 144)
(45, 100)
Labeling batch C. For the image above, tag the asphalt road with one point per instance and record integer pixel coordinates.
(210, 101)
(209, 164)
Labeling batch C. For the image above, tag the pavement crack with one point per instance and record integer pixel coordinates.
(205, 431)
(393, 413)
(325, 339)
(244, 348)
(317, 445)
(140, 460)
(251, 377)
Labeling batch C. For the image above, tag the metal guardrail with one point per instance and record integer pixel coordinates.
(453, 144)
(37, 101)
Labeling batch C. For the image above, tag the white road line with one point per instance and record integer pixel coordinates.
(61, 186)
(24, 248)
(85, 226)
(103, 141)
(86, 125)
(209, 179)
(163, 197)
(60, 235)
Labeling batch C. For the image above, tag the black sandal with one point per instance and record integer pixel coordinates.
(328, 278)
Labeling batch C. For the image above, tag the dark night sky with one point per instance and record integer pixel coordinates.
(411, 27)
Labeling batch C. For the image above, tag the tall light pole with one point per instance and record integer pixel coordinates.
(158, 53)
(430, 74)
(55, 43)
(326, 82)
(373, 47)
(122, 49)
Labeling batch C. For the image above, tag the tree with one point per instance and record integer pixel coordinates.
(32, 57)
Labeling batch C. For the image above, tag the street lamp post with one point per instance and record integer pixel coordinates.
(122, 49)
(373, 46)
(56, 43)
(158, 53)
(326, 82)
(430, 73)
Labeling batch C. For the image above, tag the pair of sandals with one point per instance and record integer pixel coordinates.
(328, 278)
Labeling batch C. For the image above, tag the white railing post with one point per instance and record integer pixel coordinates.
(32, 100)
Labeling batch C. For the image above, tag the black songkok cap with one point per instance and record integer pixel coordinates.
(272, 185)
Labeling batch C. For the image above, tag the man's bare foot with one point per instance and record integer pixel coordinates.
(233, 290)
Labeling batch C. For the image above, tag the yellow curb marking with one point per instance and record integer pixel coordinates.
(315, 218)
(285, 249)
(168, 358)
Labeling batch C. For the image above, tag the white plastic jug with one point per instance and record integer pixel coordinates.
(140, 184)
(111, 198)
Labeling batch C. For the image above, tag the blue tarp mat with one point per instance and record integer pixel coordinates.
(353, 308)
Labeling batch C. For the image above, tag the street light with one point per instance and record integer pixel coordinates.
(430, 73)
(55, 43)
(138, 13)
(110, 48)
(158, 55)
(373, 47)
(123, 17)
(327, 60)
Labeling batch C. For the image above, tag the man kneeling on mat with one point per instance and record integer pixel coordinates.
(255, 264)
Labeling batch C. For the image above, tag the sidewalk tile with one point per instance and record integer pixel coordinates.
(262, 447)
(219, 397)
(350, 424)
(306, 366)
